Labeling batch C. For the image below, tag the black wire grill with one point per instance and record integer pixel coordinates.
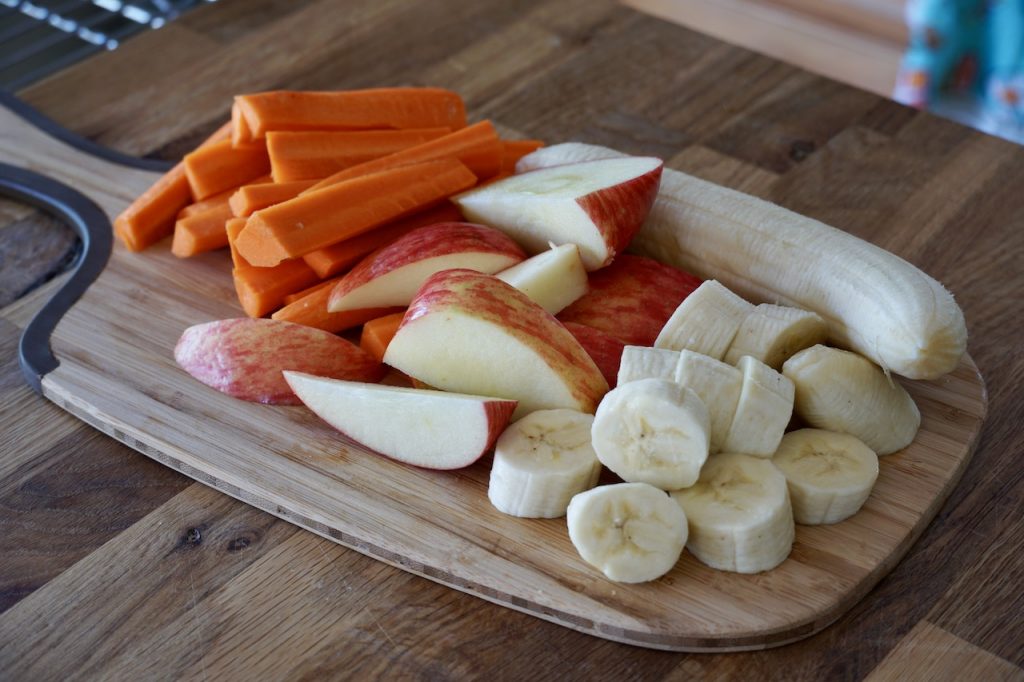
(40, 37)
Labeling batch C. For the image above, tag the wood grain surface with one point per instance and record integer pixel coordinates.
(173, 579)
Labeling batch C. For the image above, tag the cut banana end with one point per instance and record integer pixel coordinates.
(762, 412)
(774, 333)
(841, 391)
(631, 532)
(652, 431)
(739, 514)
(643, 362)
(830, 475)
(541, 461)
(706, 321)
(718, 385)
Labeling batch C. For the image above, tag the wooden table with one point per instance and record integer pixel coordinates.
(112, 565)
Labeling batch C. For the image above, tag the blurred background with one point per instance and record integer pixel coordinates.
(961, 59)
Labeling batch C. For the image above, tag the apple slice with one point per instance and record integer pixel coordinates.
(597, 205)
(429, 429)
(632, 299)
(244, 357)
(552, 279)
(603, 348)
(390, 276)
(472, 333)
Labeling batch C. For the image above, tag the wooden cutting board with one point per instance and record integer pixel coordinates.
(117, 373)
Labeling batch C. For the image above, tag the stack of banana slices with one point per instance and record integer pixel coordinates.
(696, 429)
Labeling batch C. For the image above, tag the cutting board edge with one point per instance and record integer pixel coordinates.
(781, 635)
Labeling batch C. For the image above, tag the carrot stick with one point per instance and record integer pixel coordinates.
(291, 298)
(378, 332)
(204, 205)
(312, 155)
(312, 312)
(477, 146)
(202, 232)
(241, 136)
(352, 110)
(513, 150)
(248, 199)
(220, 166)
(151, 216)
(233, 226)
(336, 258)
(262, 290)
(317, 219)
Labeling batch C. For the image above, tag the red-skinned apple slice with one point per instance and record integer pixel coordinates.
(552, 279)
(632, 299)
(597, 205)
(244, 357)
(603, 348)
(430, 429)
(390, 276)
(472, 333)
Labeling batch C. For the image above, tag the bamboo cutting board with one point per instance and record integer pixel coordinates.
(117, 373)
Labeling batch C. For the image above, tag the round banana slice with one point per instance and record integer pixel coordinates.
(762, 412)
(706, 321)
(643, 362)
(717, 384)
(841, 391)
(774, 333)
(541, 461)
(652, 431)
(739, 514)
(631, 532)
(829, 474)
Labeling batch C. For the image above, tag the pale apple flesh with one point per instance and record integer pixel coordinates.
(597, 205)
(429, 429)
(391, 275)
(245, 357)
(632, 299)
(473, 333)
(552, 279)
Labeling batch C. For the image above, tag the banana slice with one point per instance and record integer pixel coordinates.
(762, 412)
(541, 461)
(706, 321)
(829, 475)
(652, 431)
(842, 391)
(631, 532)
(739, 514)
(773, 333)
(718, 385)
(643, 362)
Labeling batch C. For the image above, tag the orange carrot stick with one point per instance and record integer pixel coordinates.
(202, 232)
(318, 219)
(312, 155)
(312, 312)
(477, 146)
(233, 226)
(220, 166)
(291, 298)
(378, 332)
(151, 216)
(352, 110)
(262, 290)
(336, 258)
(241, 136)
(248, 199)
(513, 150)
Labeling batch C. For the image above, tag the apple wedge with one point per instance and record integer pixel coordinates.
(244, 357)
(390, 276)
(632, 299)
(429, 429)
(472, 333)
(552, 279)
(597, 205)
(603, 348)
